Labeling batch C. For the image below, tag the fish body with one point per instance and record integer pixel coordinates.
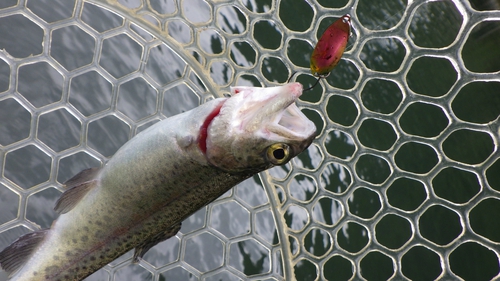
(160, 177)
(330, 47)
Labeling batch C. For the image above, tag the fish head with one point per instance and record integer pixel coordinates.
(257, 128)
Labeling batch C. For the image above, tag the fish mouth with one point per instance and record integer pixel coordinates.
(293, 123)
(251, 121)
(278, 115)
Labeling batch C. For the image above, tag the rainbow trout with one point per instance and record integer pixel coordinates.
(159, 178)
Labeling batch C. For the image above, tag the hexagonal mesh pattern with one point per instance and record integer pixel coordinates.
(403, 180)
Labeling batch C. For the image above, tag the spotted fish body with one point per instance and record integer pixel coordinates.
(330, 47)
(159, 178)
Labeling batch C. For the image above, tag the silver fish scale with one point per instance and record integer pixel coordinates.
(403, 189)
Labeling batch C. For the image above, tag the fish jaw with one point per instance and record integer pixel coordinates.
(252, 123)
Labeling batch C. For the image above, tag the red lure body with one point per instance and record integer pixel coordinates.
(331, 46)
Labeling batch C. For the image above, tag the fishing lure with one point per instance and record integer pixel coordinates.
(330, 47)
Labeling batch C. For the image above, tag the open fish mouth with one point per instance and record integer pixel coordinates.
(293, 121)
(273, 111)
(253, 119)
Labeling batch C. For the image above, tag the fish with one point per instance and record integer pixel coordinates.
(330, 47)
(160, 177)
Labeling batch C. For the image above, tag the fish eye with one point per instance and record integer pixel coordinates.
(278, 153)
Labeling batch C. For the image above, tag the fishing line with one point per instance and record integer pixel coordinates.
(317, 81)
(391, 16)
(291, 76)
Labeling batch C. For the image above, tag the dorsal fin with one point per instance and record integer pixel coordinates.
(77, 187)
(15, 256)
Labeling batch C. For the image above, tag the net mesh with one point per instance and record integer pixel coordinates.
(402, 181)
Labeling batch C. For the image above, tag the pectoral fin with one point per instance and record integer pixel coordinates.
(14, 256)
(77, 187)
(144, 247)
